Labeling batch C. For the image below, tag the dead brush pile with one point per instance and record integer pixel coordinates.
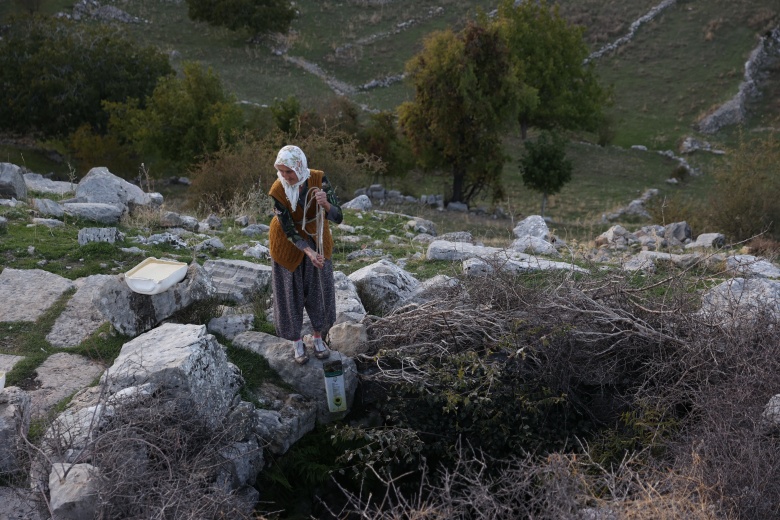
(553, 396)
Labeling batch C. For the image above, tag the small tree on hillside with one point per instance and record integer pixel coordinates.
(544, 165)
(185, 118)
(465, 94)
(257, 16)
(549, 56)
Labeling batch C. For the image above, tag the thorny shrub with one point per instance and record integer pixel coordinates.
(599, 369)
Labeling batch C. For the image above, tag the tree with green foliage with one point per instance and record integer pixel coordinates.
(549, 56)
(286, 114)
(544, 165)
(465, 94)
(381, 137)
(184, 119)
(257, 16)
(54, 74)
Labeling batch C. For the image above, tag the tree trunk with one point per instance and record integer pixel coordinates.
(458, 178)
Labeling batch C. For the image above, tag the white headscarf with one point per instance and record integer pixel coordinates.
(294, 158)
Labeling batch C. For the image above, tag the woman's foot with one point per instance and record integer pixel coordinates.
(321, 350)
(299, 352)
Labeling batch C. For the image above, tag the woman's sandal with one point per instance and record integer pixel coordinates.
(299, 352)
(321, 350)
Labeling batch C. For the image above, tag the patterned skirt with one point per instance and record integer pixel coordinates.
(305, 288)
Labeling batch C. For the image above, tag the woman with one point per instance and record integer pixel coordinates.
(302, 277)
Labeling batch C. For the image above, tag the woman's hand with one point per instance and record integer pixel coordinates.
(316, 259)
(322, 199)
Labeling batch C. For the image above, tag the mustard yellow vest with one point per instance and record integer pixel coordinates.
(283, 251)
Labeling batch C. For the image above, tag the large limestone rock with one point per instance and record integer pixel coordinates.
(741, 300)
(94, 211)
(350, 339)
(750, 266)
(360, 203)
(12, 184)
(14, 423)
(284, 418)
(27, 293)
(386, 282)
(533, 226)
(48, 208)
(349, 308)
(308, 379)
(182, 360)
(81, 317)
(239, 281)
(40, 184)
(132, 313)
(102, 186)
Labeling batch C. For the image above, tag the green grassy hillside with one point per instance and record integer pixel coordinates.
(678, 67)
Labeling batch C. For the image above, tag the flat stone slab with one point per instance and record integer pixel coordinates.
(28, 293)
(8, 362)
(40, 184)
(60, 376)
(81, 317)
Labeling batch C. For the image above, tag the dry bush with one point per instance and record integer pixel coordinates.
(238, 177)
(156, 458)
(623, 359)
(230, 177)
(556, 486)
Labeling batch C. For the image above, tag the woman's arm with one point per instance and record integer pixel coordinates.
(288, 225)
(331, 203)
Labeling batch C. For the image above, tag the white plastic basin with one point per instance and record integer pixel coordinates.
(153, 276)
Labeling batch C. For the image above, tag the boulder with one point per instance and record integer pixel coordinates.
(308, 379)
(12, 185)
(534, 245)
(239, 281)
(101, 186)
(232, 325)
(73, 491)
(109, 235)
(28, 293)
(349, 307)
(421, 225)
(350, 339)
(39, 184)
(94, 211)
(708, 241)
(741, 300)
(48, 222)
(533, 226)
(678, 232)
(752, 266)
(458, 236)
(284, 419)
(359, 203)
(132, 313)
(386, 282)
(183, 362)
(47, 208)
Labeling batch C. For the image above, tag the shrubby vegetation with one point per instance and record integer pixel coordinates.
(256, 16)
(56, 74)
(543, 396)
